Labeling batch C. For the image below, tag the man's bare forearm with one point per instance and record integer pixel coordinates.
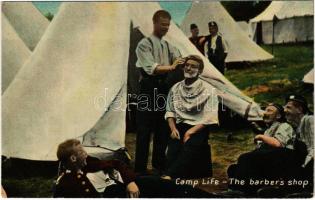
(162, 69)
(171, 123)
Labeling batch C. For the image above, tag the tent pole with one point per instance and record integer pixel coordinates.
(274, 19)
(273, 35)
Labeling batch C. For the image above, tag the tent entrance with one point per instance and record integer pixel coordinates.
(259, 39)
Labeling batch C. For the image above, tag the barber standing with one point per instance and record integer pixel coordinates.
(158, 61)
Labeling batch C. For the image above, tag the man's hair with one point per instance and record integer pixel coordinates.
(161, 13)
(193, 26)
(280, 110)
(213, 23)
(298, 101)
(65, 149)
(197, 59)
(299, 105)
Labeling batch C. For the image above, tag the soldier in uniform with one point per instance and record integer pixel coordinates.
(85, 176)
(195, 39)
(215, 48)
(81, 172)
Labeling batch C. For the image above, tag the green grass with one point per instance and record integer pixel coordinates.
(28, 187)
(268, 81)
(273, 80)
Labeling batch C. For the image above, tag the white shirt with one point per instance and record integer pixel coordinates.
(193, 104)
(305, 133)
(214, 45)
(283, 132)
(100, 180)
(149, 57)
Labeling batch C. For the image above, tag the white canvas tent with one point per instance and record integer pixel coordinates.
(27, 21)
(240, 47)
(81, 65)
(245, 27)
(293, 22)
(309, 77)
(14, 53)
(64, 83)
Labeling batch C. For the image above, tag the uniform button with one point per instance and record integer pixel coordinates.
(87, 190)
(83, 182)
(79, 176)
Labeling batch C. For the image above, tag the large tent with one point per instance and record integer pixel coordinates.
(284, 22)
(75, 83)
(14, 53)
(245, 27)
(27, 21)
(240, 47)
(309, 77)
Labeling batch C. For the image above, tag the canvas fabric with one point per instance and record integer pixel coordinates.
(27, 21)
(240, 47)
(75, 83)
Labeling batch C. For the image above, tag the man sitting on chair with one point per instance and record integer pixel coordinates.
(192, 106)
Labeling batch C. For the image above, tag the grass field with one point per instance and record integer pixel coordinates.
(268, 81)
(273, 80)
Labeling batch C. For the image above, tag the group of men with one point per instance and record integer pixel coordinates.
(183, 128)
(284, 152)
(180, 123)
(213, 46)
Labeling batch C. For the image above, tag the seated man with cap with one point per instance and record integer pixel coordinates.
(195, 39)
(300, 117)
(89, 177)
(273, 157)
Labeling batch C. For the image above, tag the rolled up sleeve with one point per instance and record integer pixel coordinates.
(284, 134)
(145, 57)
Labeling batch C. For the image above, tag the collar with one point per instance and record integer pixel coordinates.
(274, 124)
(156, 38)
(214, 36)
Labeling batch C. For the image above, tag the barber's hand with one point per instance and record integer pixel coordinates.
(133, 190)
(178, 61)
(175, 134)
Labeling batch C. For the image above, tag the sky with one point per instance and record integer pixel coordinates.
(177, 9)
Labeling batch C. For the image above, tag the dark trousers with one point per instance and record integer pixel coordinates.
(154, 187)
(268, 163)
(218, 63)
(151, 123)
(307, 173)
(191, 159)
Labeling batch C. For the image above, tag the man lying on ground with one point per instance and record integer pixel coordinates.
(89, 177)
